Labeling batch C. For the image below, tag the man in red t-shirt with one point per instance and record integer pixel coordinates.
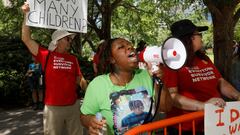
(96, 58)
(198, 82)
(62, 73)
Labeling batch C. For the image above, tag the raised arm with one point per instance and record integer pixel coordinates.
(26, 34)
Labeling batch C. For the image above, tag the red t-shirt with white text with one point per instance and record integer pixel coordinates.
(61, 74)
(199, 82)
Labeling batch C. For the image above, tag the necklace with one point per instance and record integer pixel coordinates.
(120, 81)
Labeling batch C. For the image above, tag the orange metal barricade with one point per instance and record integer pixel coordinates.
(167, 122)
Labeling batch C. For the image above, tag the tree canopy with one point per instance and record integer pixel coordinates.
(147, 20)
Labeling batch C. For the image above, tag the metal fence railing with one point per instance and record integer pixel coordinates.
(163, 124)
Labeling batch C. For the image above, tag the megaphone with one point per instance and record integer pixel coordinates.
(172, 54)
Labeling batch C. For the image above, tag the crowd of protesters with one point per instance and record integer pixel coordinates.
(124, 94)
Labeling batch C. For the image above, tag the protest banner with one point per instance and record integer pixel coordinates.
(70, 15)
(222, 121)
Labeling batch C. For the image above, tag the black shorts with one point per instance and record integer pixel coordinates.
(33, 83)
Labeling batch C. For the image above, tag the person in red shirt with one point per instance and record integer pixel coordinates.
(62, 74)
(140, 49)
(198, 82)
(96, 59)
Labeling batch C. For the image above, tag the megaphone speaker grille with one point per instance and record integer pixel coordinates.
(173, 53)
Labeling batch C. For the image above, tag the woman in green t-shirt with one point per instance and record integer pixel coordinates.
(122, 94)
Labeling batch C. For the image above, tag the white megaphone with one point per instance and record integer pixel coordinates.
(172, 53)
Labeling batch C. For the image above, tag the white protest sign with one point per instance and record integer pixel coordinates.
(70, 15)
(222, 121)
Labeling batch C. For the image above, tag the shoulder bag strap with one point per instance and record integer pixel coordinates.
(43, 73)
(149, 116)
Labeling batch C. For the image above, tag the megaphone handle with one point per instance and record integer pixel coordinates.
(157, 80)
(149, 116)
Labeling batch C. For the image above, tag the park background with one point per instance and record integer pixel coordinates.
(136, 20)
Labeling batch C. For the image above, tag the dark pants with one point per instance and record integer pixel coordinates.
(33, 82)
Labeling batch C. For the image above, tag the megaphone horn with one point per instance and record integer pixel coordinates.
(172, 53)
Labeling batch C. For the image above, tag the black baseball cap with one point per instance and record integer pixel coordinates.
(184, 27)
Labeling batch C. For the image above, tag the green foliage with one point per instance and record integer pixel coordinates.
(86, 68)
(13, 88)
(237, 32)
(139, 24)
(9, 20)
(136, 20)
(209, 53)
(42, 36)
(88, 52)
(150, 20)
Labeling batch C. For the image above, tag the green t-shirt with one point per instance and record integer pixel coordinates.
(123, 106)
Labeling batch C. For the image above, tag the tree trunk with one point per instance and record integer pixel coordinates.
(223, 37)
(224, 17)
(235, 78)
(106, 23)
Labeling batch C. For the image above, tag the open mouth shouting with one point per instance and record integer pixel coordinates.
(132, 57)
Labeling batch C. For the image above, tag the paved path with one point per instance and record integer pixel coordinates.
(23, 121)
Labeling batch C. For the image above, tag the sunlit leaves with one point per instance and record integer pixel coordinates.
(150, 20)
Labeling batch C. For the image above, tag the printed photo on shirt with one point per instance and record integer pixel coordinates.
(130, 108)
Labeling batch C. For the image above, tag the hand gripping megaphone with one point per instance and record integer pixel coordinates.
(172, 53)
